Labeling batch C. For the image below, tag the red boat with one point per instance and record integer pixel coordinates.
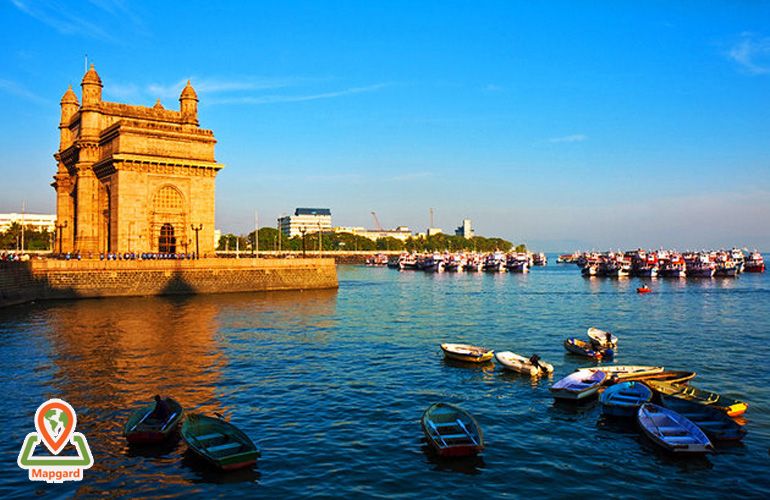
(644, 289)
(755, 263)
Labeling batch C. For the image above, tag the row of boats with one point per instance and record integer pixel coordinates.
(668, 264)
(436, 262)
(216, 441)
(675, 415)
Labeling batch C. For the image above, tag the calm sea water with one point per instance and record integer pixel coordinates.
(332, 384)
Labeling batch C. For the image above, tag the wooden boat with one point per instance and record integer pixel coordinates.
(467, 353)
(672, 431)
(599, 337)
(452, 431)
(731, 407)
(671, 376)
(143, 427)
(625, 398)
(643, 289)
(583, 348)
(578, 385)
(716, 424)
(218, 442)
(617, 373)
(517, 363)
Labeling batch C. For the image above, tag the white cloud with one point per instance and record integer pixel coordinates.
(752, 54)
(19, 90)
(568, 138)
(59, 17)
(273, 99)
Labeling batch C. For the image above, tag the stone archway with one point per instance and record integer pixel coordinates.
(168, 219)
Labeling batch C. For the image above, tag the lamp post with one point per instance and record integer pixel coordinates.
(197, 248)
(303, 231)
(60, 232)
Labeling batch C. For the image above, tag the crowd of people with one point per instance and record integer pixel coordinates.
(23, 257)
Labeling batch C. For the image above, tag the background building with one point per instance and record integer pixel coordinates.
(400, 233)
(133, 178)
(466, 230)
(38, 222)
(309, 220)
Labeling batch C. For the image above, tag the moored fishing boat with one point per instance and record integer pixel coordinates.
(495, 263)
(583, 348)
(529, 366)
(578, 385)
(602, 339)
(731, 407)
(755, 263)
(672, 266)
(625, 398)
(700, 265)
(672, 431)
(408, 263)
(144, 426)
(467, 353)
(220, 443)
(616, 373)
(377, 260)
(452, 431)
(716, 424)
(517, 263)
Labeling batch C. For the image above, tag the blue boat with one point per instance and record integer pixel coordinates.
(624, 399)
(716, 424)
(672, 431)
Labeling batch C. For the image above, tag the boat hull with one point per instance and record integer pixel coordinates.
(137, 431)
(475, 355)
(672, 431)
(219, 443)
(451, 431)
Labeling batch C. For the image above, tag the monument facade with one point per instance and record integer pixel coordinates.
(133, 178)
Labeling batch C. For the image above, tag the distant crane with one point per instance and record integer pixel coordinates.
(377, 222)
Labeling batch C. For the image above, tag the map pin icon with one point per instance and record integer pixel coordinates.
(55, 422)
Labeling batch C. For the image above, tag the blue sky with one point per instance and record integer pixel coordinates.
(559, 124)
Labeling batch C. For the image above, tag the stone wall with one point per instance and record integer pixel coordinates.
(55, 279)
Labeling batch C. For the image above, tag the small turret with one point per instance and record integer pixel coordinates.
(69, 106)
(92, 87)
(158, 105)
(188, 105)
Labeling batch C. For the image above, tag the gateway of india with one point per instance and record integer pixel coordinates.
(133, 178)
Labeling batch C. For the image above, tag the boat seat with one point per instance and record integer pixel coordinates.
(223, 447)
(209, 437)
(446, 424)
(455, 436)
(681, 440)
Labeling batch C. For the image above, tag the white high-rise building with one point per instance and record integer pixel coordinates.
(309, 220)
(466, 230)
(38, 222)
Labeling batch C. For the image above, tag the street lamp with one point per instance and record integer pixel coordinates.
(303, 231)
(197, 248)
(60, 231)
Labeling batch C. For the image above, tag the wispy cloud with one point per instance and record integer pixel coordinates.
(59, 17)
(568, 138)
(491, 87)
(752, 54)
(220, 85)
(19, 90)
(273, 99)
(411, 176)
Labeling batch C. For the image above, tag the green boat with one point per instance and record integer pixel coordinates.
(218, 442)
(144, 427)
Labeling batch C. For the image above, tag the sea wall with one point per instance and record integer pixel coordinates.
(60, 279)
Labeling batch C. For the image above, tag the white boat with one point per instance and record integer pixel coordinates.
(578, 385)
(599, 337)
(512, 361)
(628, 372)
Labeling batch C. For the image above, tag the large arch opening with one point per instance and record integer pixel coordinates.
(168, 220)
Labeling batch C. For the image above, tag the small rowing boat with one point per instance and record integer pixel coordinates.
(672, 376)
(452, 431)
(578, 385)
(467, 353)
(583, 348)
(512, 361)
(643, 289)
(716, 424)
(603, 339)
(732, 407)
(145, 427)
(624, 399)
(672, 431)
(218, 442)
(616, 373)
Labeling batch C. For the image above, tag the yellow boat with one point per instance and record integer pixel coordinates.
(467, 353)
